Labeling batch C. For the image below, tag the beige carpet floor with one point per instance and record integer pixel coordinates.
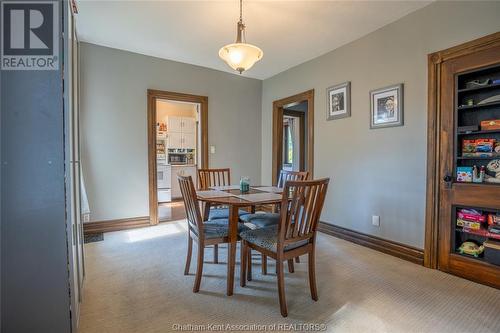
(135, 283)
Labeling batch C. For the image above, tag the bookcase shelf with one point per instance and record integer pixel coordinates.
(486, 132)
(489, 86)
(472, 115)
(480, 106)
(477, 157)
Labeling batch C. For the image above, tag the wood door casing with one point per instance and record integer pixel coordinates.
(152, 96)
(302, 133)
(277, 145)
(461, 194)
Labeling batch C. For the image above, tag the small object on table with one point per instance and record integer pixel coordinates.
(490, 125)
(244, 184)
(471, 249)
(464, 174)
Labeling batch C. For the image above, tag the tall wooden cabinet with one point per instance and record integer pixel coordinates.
(464, 103)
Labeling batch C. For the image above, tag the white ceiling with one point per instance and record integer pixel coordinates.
(289, 32)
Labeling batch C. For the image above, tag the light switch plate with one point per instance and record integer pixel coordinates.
(376, 220)
(212, 149)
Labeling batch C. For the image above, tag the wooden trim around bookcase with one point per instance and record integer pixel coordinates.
(396, 249)
(173, 96)
(115, 225)
(435, 61)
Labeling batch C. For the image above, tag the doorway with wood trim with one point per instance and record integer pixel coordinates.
(293, 134)
(177, 144)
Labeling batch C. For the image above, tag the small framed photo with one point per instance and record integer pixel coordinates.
(386, 107)
(338, 101)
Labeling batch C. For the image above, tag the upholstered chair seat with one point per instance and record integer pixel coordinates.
(261, 220)
(223, 213)
(267, 238)
(220, 228)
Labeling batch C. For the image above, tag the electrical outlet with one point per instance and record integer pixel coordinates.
(376, 220)
(212, 149)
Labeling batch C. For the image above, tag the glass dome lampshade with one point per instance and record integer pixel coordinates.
(240, 56)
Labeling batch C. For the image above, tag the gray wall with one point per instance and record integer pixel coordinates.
(114, 84)
(34, 275)
(382, 171)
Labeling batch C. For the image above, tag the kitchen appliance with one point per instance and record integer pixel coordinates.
(180, 156)
(164, 183)
(177, 158)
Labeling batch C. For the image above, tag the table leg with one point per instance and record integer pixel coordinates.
(231, 256)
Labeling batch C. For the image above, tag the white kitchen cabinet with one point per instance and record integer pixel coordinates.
(176, 190)
(189, 170)
(189, 140)
(175, 140)
(188, 125)
(174, 124)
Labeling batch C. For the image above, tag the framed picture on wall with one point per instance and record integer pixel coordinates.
(386, 106)
(338, 101)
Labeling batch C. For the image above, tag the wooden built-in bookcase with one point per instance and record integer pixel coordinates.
(464, 90)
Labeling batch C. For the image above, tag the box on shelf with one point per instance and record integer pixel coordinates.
(468, 224)
(464, 174)
(472, 215)
(489, 125)
(493, 219)
(492, 252)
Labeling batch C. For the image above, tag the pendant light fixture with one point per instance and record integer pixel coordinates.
(240, 56)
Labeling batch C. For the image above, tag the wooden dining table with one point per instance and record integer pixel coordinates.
(232, 197)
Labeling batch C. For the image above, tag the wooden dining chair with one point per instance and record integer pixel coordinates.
(294, 235)
(266, 219)
(216, 177)
(205, 233)
(262, 220)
